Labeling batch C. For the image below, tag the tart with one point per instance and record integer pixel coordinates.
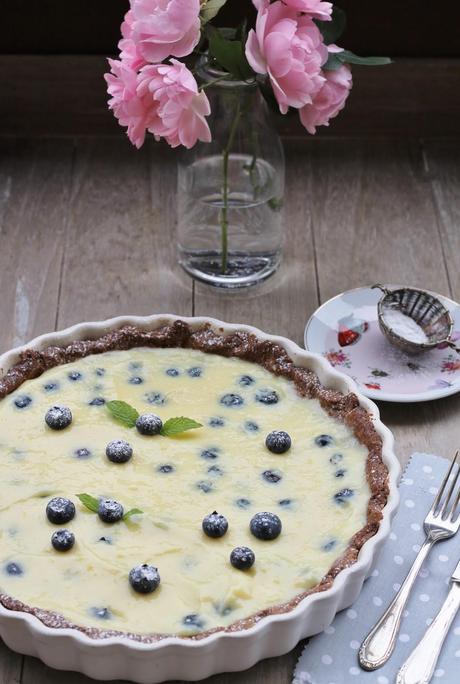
(324, 483)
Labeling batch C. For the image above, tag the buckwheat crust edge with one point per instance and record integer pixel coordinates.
(244, 346)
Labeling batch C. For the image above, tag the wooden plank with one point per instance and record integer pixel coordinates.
(389, 101)
(121, 251)
(283, 304)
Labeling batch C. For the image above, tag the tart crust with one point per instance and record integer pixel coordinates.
(242, 345)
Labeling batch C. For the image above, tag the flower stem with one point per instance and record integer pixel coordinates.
(225, 189)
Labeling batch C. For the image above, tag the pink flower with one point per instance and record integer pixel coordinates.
(181, 108)
(289, 48)
(138, 113)
(129, 51)
(161, 28)
(329, 101)
(315, 8)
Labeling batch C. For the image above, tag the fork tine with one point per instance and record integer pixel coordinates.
(443, 486)
(443, 510)
(454, 507)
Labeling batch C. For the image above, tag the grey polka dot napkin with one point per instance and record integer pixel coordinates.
(331, 657)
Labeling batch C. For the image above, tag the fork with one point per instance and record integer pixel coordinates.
(440, 523)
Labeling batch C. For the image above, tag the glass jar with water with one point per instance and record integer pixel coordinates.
(230, 191)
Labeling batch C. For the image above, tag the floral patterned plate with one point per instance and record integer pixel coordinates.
(345, 330)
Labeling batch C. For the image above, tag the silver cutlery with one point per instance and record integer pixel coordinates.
(420, 665)
(440, 523)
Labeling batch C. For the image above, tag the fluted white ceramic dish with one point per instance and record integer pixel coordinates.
(176, 658)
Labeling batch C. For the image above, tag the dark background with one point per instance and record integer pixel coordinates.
(405, 28)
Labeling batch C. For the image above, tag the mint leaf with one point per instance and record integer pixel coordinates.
(175, 426)
(229, 54)
(90, 502)
(133, 511)
(123, 412)
(332, 30)
(210, 9)
(348, 57)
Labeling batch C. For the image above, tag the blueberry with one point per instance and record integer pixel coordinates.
(232, 400)
(62, 540)
(119, 451)
(242, 558)
(51, 386)
(323, 440)
(58, 417)
(216, 421)
(265, 526)
(210, 454)
(285, 503)
(335, 459)
(82, 453)
(98, 401)
(340, 473)
(272, 476)
(105, 539)
(215, 470)
(60, 510)
(14, 569)
(250, 426)
(195, 372)
(243, 503)
(246, 380)
(267, 397)
(343, 496)
(205, 486)
(214, 525)
(101, 613)
(155, 398)
(135, 380)
(193, 620)
(172, 372)
(328, 546)
(74, 376)
(165, 468)
(149, 424)
(23, 401)
(278, 442)
(223, 609)
(144, 578)
(110, 511)
(100, 372)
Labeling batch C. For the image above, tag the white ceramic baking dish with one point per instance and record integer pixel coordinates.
(176, 658)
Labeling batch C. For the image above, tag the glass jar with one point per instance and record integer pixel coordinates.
(230, 191)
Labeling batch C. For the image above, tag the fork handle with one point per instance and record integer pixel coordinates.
(379, 644)
(420, 665)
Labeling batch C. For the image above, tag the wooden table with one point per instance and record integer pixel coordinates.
(87, 232)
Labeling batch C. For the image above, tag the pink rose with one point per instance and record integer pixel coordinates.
(136, 112)
(129, 51)
(287, 46)
(181, 108)
(329, 101)
(315, 8)
(161, 28)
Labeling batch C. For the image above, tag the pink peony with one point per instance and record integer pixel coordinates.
(129, 51)
(181, 108)
(315, 8)
(329, 101)
(289, 48)
(161, 28)
(136, 112)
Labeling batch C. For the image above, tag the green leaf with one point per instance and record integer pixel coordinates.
(175, 426)
(348, 57)
(210, 9)
(132, 511)
(123, 412)
(90, 502)
(333, 63)
(229, 54)
(332, 30)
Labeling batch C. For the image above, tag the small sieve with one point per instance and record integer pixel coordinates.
(425, 309)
